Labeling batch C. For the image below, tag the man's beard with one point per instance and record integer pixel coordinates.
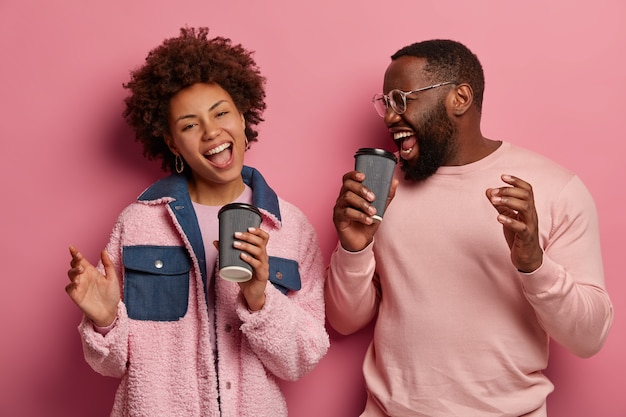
(436, 140)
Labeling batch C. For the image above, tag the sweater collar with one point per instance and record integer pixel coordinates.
(175, 186)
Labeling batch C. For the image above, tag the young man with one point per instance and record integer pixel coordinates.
(486, 251)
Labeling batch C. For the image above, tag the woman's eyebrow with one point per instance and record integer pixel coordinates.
(188, 116)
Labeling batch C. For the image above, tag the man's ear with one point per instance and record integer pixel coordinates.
(462, 99)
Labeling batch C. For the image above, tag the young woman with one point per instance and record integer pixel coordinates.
(184, 341)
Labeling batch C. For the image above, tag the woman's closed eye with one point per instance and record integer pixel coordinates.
(189, 126)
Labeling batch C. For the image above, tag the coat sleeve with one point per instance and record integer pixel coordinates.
(568, 292)
(288, 334)
(108, 354)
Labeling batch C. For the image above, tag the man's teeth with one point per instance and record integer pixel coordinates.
(401, 135)
(218, 149)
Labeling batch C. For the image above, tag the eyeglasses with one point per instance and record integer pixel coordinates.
(396, 99)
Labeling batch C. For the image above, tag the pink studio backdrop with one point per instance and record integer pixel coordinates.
(555, 83)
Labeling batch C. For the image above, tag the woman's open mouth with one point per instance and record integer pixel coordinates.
(220, 155)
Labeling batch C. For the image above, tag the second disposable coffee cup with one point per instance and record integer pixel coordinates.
(235, 217)
(378, 166)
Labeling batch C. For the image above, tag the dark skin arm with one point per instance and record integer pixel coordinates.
(517, 214)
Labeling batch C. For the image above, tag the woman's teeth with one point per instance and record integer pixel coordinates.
(218, 149)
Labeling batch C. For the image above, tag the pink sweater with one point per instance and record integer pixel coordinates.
(167, 368)
(459, 331)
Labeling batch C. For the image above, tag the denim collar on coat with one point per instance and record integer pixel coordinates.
(175, 186)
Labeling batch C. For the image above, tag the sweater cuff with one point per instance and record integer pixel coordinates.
(354, 261)
(104, 330)
(95, 339)
(542, 279)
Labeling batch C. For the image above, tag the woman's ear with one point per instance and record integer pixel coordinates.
(462, 99)
(169, 141)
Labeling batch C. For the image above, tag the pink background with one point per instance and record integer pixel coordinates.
(555, 83)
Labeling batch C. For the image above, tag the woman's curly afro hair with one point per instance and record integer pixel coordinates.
(179, 63)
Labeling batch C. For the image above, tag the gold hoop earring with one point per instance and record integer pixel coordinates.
(247, 144)
(179, 164)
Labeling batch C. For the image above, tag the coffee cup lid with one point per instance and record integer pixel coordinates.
(376, 151)
(239, 206)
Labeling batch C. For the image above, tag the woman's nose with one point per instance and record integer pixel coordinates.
(211, 131)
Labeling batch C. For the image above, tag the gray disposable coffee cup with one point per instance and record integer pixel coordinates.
(235, 217)
(378, 166)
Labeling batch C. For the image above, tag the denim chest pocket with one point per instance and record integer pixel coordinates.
(156, 282)
(284, 274)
